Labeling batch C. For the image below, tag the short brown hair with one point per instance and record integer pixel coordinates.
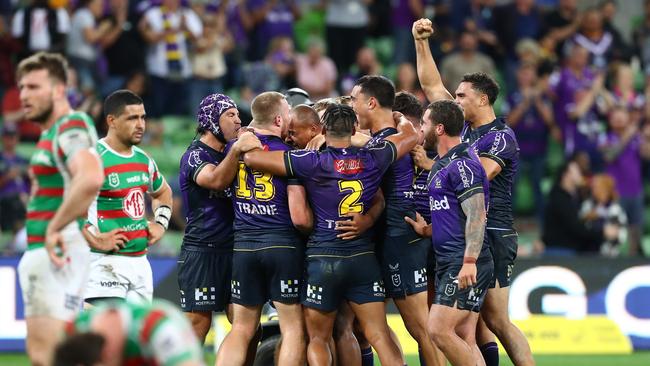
(306, 114)
(265, 107)
(55, 64)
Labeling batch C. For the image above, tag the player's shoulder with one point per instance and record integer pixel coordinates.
(139, 153)
(74, 119)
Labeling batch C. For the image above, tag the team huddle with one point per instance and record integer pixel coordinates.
(325, 211)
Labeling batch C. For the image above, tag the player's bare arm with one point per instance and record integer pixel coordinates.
(360, 223)
(419, 225)
(428, 73)
(218, 177)
(301, 214)
(266, 161)
(406, 138)
(491, 167)
(474, 210)
(87, 178)
(161, 204)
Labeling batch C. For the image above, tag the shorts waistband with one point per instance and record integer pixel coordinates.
(206, 248)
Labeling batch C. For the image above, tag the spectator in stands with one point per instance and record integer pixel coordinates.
(641, 39)
(530, 115)
(608, 9)
(84, 36)
(624, 93)
(407, 80)
(561, 23)
(315, 72)
(600, 43)
(271, 19)
(564, 234)
(14, 183)
(166, 28)
(124, 47)
(480, 21)
(282, 58)
(602, 207)
(208, 63)
(12, 113)
(466, 60)
(367, 64)
(40, 27)
(403, 14)
(623, 150)
(8, 48)
(239, 23)
(346, 23)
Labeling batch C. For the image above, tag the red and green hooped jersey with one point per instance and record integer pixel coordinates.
(51, 178)
(121, 203)
(155, 334)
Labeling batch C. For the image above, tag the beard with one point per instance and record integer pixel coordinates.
(430, 142)
(44, 114)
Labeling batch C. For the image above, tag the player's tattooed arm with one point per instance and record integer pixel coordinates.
(474, 209)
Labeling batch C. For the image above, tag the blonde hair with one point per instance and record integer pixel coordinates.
(265, 107)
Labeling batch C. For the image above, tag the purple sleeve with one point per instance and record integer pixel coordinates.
(466, 178)
(499, 146)
(195, 161)
(384, 153)
(300, 163)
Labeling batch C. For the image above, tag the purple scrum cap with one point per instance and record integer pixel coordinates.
(211, 109)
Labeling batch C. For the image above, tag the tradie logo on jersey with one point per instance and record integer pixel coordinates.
(348, 166)
(133, 204)
(437, 205)
(114, 180)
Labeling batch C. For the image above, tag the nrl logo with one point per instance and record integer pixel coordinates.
(438, 183)
(114, 180)
(397, 280)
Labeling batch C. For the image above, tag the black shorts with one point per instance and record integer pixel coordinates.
(273, 273)
(403, 261)
(503, 246)
(332, 277)
(204, 278)
(471, 298)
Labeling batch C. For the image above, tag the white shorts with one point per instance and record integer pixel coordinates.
(51, 291)
(129, 278)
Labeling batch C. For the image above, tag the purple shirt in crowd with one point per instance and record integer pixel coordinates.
(278, 22)
(454, 178)
(401, 14)
(340, 181)
(208, 213)
(18, 185)
(626, 168)
(531, 131)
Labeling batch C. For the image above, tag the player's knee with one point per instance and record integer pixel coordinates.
(245, 330)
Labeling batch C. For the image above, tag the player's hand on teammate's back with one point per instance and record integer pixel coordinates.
(467, 275)
(316, 142)
(419, 225)
(357, 225)
(56, 248)
(247, 141)
(113, 240)
(421, 159)
(155, 231)
(422, 29)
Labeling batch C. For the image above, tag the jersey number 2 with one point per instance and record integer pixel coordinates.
(264, 189)
(350, 203)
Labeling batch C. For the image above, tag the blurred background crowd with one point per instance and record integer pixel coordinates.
(575, 77)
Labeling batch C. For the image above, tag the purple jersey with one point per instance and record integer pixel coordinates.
(626, 168)
(397, 186)
(208, 213)
(454, 178)
(338, 182)
(531, 131)
(261, 202)
(497, 141)
(421, 189)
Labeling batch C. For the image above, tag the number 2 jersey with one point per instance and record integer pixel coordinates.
(155, 334)
(339, 181)
(121, 203)
(48, 165)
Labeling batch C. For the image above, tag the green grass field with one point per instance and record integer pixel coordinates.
(635, 359)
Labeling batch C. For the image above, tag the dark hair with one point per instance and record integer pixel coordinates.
(55, 64)
(114, 104)
(83, 349)
(378, 87)
(339, 120)
(408, 104)
(449, 115)
(483, 83)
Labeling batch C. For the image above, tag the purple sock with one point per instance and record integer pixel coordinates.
(490, 352)
(367, 357)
